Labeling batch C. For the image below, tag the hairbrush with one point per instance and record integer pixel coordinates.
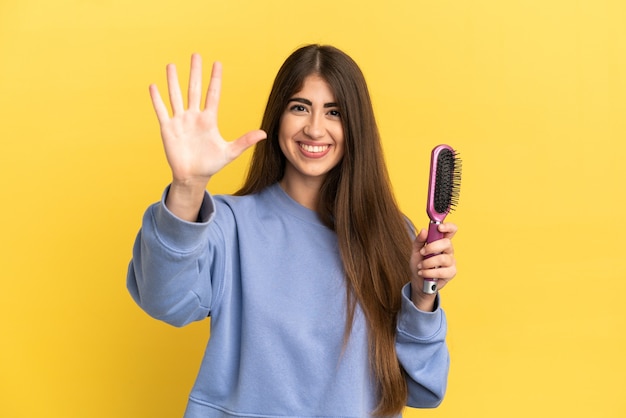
(443, 195)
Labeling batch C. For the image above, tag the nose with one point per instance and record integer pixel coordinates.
(314, 127)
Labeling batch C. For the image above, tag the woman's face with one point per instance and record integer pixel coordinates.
(311, 133)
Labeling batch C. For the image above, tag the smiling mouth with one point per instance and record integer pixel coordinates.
(315, 149)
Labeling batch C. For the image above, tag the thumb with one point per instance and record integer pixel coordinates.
(420, 239)
(238, 146)
(418, 243)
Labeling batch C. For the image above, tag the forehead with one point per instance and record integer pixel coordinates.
(314, 86)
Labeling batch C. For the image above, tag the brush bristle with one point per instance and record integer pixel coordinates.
(447, 181)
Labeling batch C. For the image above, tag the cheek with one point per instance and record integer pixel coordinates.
(341, 142)
(286, 130)
(282, 136)
(281, 144)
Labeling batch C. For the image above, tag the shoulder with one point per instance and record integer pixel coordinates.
(237, 203)
(245, 208)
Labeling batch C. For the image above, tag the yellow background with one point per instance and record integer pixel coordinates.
(532, 93)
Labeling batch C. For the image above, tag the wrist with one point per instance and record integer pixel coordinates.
(190, 185)
(423, 301)
(184, 199)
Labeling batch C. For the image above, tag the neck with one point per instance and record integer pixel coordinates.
(302, 191)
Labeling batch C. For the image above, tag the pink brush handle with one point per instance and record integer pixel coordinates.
(430, 285)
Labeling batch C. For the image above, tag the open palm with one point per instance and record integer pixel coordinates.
(193, 145)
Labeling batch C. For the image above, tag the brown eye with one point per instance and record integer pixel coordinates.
(297, 108)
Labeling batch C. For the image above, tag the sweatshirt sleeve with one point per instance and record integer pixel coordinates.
(422, 352)
(173, 262)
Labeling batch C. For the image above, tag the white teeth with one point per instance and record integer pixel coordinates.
(314, 148)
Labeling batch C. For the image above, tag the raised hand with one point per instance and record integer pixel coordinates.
(194, 147)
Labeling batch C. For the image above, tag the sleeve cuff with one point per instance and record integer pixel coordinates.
(178, 234)
(416, 323)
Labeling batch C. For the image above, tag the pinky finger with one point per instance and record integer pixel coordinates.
(157, 103)
(441, 273)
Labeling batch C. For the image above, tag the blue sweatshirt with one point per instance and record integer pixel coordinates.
(269, 275)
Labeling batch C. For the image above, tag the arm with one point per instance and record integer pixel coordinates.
(422, 327)
(174, 259)
(422, 352)
(174, 265)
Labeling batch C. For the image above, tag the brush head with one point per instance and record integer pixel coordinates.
(444, 183)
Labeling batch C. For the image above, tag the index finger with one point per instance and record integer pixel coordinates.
(448, 229)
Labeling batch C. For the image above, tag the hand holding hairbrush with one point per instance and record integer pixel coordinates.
(443, 194)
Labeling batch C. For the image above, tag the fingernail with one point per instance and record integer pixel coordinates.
(419, 266)
(423, 251)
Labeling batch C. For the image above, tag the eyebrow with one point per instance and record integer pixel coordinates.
(309, 103)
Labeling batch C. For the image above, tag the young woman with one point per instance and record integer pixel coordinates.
(310, 273)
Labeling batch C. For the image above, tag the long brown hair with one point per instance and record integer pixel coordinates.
(356, 201)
